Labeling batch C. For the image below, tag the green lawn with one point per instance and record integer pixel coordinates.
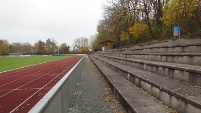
(8, 63)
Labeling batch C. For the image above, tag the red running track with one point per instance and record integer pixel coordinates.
(21, 89)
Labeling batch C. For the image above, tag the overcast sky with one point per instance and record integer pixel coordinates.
(63, 20)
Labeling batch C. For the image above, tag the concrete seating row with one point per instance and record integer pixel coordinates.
(178, 95)
(188, 73)
(132, 98)
(184, 58)
(170, 71)
(179, 51)
(171, 46)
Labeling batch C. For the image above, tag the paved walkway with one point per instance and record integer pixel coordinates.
(92, 94)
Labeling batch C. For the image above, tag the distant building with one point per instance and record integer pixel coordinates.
(107, 45)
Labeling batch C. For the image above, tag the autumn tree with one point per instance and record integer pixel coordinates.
(92, 43)
(139, 31)
(156, 17)
(184, 13)
(54, 46)
(82, 44)
(125, 37)
(96, 44)
(15, 47)
(116, 21)
(40, 47)
(63, 48)
(48, 46)
(4, 47)
(27, 48)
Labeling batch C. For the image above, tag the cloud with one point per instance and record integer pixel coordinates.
(63, 20)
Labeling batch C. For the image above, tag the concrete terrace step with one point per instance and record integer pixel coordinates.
(171, 46)
(183, 97)
(187, 73)
(132, 98)
(184, 58)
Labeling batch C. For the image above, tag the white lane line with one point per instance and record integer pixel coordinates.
(16, 108)
(25, 77)
(26, 83)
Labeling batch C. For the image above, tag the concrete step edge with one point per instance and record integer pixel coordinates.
(193, 76)
(127, 101)
(182, 99)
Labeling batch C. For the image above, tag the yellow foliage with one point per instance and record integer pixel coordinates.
(177, 12)
(124, 36)
(4, 47)
(139, 30)
(84, 49)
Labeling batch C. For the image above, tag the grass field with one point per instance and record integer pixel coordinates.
(9, 63)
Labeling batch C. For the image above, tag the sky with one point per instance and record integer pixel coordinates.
(62, 20)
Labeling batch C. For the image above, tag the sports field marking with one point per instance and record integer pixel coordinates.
(12, 63)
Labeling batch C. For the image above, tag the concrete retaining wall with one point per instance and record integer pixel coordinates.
(60, 97)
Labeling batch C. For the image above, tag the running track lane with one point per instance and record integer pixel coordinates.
(21, 89)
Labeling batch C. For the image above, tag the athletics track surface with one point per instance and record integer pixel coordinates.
(21, 89)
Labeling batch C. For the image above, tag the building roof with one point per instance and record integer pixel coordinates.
(108, 40)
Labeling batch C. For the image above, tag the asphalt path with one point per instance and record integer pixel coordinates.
(93, 95)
